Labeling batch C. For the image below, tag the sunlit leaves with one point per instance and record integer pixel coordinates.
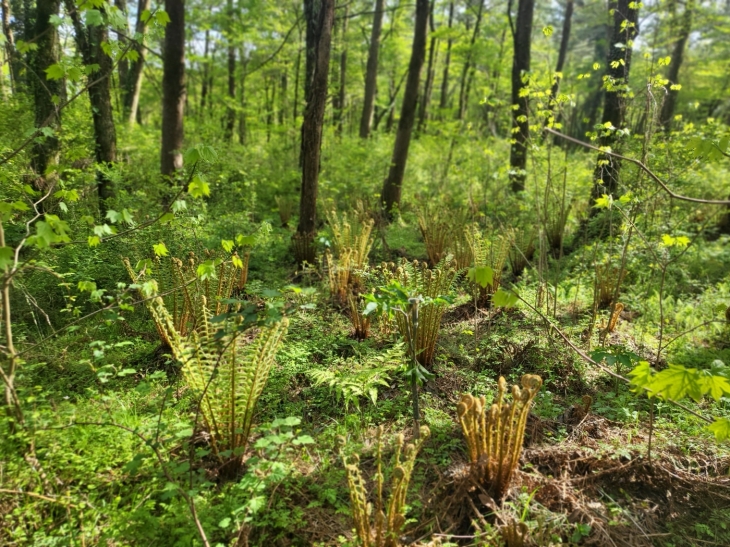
(670, 241)
(504, 299)
(160, 249)
(481, 275)
(6, 257)
(198, 188)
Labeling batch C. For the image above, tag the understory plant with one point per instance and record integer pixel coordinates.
(495, 433)
(227, 368)
(381, 525)
(488, 253)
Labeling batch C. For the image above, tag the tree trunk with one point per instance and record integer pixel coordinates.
(563, 53)
(443, 100)
(393, 184)
(122, 64)
(297, 71)
(670, 101)
(606, 175)
(133, 82)
(90, 41)
(283, 86)
(463, 87)
(319, 35)
(47, 92)
(371, 73)
(242, 101)
(428, 85)
(173, 89)
(341, 96)
(206, 70)
(521, 35)
(10, 53)
(230, 110)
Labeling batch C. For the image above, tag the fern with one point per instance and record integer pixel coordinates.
(487, 253)
(226, 370)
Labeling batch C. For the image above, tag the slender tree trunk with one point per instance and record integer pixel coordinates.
(319, 36)
(521, 35)
(242, 101)
(133, 82)
(606, 175)
(123, 64)
(563, 53)
(90, 42)
(206, 70)
(392, 185)
(230, 110)
(428, 85)
(46, 92)
(463, 87)
(10, 53)
(371, 73)
(173, 89)
(297, 71)
(283, 87)
(341, 96)
(670, 101)
(443, 100)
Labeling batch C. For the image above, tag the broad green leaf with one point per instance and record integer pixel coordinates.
(481, 275)
(676, 382)
(504, 299)
(160, 249)
(6, 257)
(198, 188)
(720, 428)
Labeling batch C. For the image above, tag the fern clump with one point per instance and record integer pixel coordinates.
(227, 370)
(436, 231)
(487, 253)
(522, 249)
(494, 434)
(352, 236)
(432, 284)
(608, 283)
(381, 525)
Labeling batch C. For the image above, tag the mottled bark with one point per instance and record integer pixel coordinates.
(10, 53)
(563, 53)
(46, 93)
(393, 184)
(319, 35)
(371, 72)
(173, 89)
(606, 176)
(670, 101)
(521, 34)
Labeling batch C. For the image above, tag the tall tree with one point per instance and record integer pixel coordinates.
(445, 79)
(616, 81)
(230, 110)
(91, 39)
(320, 19)
(463, 86)
(10, 53)
(173, 89)
(670, 101)
(430, 73)
(133, 83)
(123, 64)
(393, 184)
(521, 36)
(371, 72)
(563, 52)
(46, 93)
(342, 91)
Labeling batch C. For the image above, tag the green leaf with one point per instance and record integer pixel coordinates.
(720, 428)
(504, 299)
(198, 188)
(94, 17)
(227, 245)
(676, 382)
(55, 72)
(206, 270)
(162, 18)
(642, 376)
(6, 257)
(481, 275)
(160, 249)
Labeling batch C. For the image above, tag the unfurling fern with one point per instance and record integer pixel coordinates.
(227, 372)
(494, 434)
(487, 253)
(381, 526)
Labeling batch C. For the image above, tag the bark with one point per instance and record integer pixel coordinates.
(136, 69)
(521, 34)
(371, 73)
(319, 35)
(463, 87)
(607, 171)
(46, 92)
(428, 85)
(392, 186)
(230, 111)
(563, 53)
(447, 63)
(242, 101)
(173, 89)
(89, 40)
(283, 87)
(206, 70)
(670, 102)
(341, 96)
(297, 71)
(10, 53)
(123, 64)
